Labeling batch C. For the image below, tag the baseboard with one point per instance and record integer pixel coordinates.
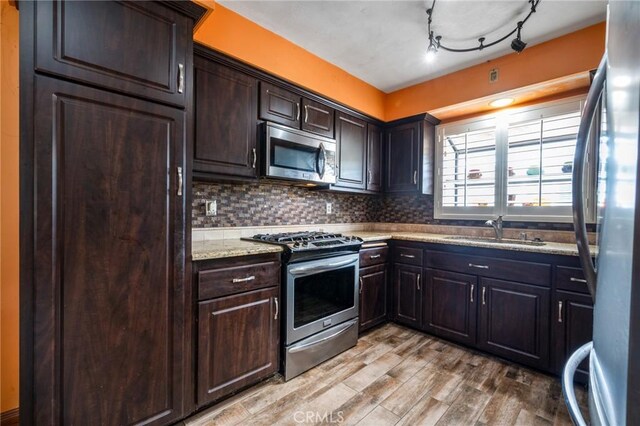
(10, 417)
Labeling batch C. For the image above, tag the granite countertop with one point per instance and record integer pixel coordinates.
(215, 249)
(565, 249)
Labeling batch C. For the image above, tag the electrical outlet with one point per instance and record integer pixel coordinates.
(493, 75)
(329, 208)
(211, 207)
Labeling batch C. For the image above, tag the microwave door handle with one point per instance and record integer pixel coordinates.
(321, 154)
(579, 220)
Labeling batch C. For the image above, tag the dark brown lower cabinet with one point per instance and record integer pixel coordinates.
(407, 294)
(514, 321)
(450, 305)
(373, 296)
(238, 340)
(572, 319)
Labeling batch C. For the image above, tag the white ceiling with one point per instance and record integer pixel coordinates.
(384, 42)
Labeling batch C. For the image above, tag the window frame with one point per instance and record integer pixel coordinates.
(502, 120)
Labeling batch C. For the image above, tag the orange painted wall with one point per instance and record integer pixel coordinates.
(228, 32)
(572, 53)
(9, 213)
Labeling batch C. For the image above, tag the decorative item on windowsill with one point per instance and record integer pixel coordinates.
(435, 41)
(511, 171)
(534, 171)
(512, 198)
(474, 174)
(567, 167)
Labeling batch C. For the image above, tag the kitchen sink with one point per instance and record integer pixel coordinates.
(496, 241)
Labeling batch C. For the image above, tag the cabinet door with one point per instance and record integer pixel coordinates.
(514, 321)
(450, 305)
(407, 285)
(317, 118)
(279, 105)
(351, 135)
(139, 48)
(226, 104)
(237, 342)
(403, 158)
(572, 318)
(108, 262)
(374, 158)
(373, 296)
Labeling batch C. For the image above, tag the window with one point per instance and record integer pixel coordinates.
(517, 164)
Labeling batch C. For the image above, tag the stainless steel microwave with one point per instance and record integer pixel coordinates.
(297, 155)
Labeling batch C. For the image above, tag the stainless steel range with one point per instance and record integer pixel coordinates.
(320, 294)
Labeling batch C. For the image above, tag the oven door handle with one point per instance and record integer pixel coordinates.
(345, 328)
(307, 270)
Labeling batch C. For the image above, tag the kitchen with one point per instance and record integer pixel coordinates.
(242, 212)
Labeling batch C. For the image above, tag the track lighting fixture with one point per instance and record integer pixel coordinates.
(435, 41)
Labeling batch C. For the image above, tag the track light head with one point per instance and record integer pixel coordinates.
(518, 45)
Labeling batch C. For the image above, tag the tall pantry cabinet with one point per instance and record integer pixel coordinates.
(105, 305)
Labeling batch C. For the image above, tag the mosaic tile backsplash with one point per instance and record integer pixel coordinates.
(267, 204)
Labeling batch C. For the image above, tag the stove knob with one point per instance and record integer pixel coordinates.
(296, 245)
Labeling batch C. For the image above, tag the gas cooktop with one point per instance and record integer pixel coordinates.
(299, 245)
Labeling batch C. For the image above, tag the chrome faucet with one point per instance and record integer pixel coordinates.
(497, 226)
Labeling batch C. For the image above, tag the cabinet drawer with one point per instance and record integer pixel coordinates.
(571, 279)
(236, 279)
(407, 255)
(515, 270)
(373, 256)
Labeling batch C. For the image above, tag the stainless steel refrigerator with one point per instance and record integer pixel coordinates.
(614, 354)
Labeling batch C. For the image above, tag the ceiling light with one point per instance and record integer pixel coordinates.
(516, 44)
(502, 102)
(431, 52)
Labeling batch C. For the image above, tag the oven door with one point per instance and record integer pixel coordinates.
(296, 155)
(320, 294)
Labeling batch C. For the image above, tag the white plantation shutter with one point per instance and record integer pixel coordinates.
(517, 164)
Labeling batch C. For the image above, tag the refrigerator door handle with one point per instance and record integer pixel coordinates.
(579, 160)
(567, 383)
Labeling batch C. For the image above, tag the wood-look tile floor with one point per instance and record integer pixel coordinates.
(399, 376)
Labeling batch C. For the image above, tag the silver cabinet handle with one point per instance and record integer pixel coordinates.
(418, 282)
(298, 111)
(410, 256)
(275, 317)
(306, 113)
(577, 280)
(484, 295)
(179, 192)
(415, 177)
(374, 256)
(368, 176)
(471, 292)
(473, 265)
(360, 291)
(560, 311)
(255, 157)
(243, 280)
(180, 78)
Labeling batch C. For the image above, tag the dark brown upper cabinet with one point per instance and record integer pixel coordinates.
(409, 155)
(514, 321)
(317, 118)
(138, 48)
(450, 305)
(351, 136)
(280, 106)
(116, 308)
(375, 141)
(226, 124)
